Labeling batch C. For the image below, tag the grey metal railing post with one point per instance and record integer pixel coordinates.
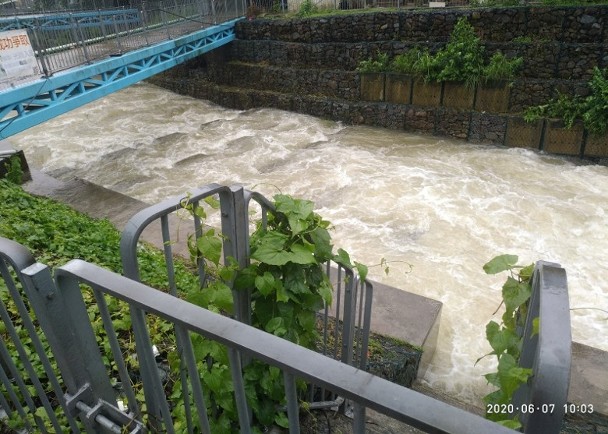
(292, 403)
(40, 52)
(117, 34)
(68, 330)
(17, 257)
(142, 20)
(350, 286)
(548, 352)
(242, 298)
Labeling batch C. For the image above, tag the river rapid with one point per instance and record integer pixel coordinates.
(441, 206)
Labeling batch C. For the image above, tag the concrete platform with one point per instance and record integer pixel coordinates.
(589, 378)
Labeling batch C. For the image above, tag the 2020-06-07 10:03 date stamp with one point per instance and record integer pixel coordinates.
(569, 408)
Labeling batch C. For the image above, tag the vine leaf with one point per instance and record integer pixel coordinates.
(276, 326)
(271, 249)
(535, 326)
(326, 291)
(510, 423)
(322, 241)
(515, 294)
(500, 263)
(221, 295)
(265, 283)
(511, 376)
(343, 258)
(297, 211)
(501, 339)
(294, 279)
(210, 246)
(362, 270)
(302, 254)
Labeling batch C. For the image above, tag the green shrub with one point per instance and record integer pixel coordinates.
(462, 58)
(502, 68)
(591, 110)
(379, 64)
(595, 115)
(307, 8)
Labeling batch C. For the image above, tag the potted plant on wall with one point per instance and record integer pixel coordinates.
(494, 89)
(568, 116)
(420, 65)
(460, 62)
(371, 71)
(401, 71)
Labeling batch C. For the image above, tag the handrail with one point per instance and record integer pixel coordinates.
(547, 353)
(62, 315)
(373, 392)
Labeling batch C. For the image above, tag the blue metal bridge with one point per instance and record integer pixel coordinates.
(82, 56)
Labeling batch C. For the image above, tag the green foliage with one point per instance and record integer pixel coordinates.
(56, 234)
(286, 275)
(595, 115)
(288, 287)
(505, 338)
(307, 8)
(501, 68)
(591, 110)
(14, 172)
(378, 64)
(494, 3)
(460, 60)
(407, 63)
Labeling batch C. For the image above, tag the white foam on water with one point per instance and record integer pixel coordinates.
(444, 207)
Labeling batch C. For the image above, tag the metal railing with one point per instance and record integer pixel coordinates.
(345, 326)
(84, 397)
(62, 313)
(296, 5)
(548, 353)
(63, 40)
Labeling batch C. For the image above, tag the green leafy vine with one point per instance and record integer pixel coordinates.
(286, 275)
(506, 338)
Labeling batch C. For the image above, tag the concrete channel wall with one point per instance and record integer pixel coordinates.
(309, 66)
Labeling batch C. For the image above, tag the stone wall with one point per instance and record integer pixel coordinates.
(309, 66)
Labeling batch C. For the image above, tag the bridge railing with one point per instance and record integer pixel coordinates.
(85, 360)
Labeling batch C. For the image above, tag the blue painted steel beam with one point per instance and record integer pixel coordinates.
(39, 101)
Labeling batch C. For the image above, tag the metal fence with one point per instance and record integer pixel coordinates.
(90, 401)
(67, 365)
(63, 40)
(345, 326)
(329, 5)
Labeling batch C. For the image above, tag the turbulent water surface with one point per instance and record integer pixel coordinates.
(444, 207)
